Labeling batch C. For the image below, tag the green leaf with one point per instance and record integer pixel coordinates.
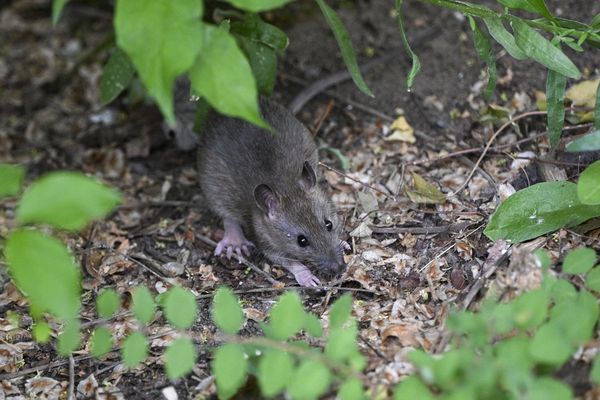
(275, 369)
(69, 339)
(341, 343)
(143, 304)
(11, 179)
(541, 50)
(576, 317)
(531, 308)
(312, 325)
(555, 94)
(344, 162)
(504, 37)
(57, 7)
(43, 269)
(310, 381)
(596, 22)
(162, 38)
(412, 388)
(286, 317)
(537, 210)
(592, 280)
(579, 260)
(41, 331)
(101, 341)
(549, 347)
(343, 39)
(263, 61)
(180, 358)
(66, 200)
(180, 307)
(595, 373)
(589, 142)
(223, 76)
(534, 6)
(116, 76)
(597, 105)
(230, 367)
(543, 258)
(352, 389)
(588, 186)
(107, 303)
(484, 51)
(563, 290)
(134, 350)
(258, 5)
(340, 311)
(226, 311)
(256, 30)
(546, 388)
(415, 62)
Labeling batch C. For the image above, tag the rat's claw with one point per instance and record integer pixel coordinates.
(346, 246)
(229, 252)
(307, 279)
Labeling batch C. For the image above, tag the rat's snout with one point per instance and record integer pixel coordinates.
(333, 266)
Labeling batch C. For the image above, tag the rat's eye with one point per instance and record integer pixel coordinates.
(328, 225)
(302, 241)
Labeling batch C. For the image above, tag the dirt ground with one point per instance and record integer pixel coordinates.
(411, 263)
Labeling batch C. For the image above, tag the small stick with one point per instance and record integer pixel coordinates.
(71, 390)
(352, 179)
(322, 118)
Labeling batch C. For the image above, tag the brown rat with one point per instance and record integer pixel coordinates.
(264, 184)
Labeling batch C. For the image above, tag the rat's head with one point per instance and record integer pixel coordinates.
(299, 225)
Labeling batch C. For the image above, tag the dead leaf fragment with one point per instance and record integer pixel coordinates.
(42, 387)
(401, 131)
(368, 201)
(425, 192)
(583, 93)
(88, 386)
(361, 231)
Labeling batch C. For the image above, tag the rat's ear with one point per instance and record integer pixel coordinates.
(309, 177)
(266, 199)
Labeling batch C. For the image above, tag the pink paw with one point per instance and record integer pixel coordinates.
(307, 279)
(233, 244)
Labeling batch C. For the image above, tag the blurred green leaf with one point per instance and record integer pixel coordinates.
(107, 303)
(312, 325)
(415, 62)
(134, 349)
(534, 6)
(592, 280)
(588, 186)
(341, 343)
(579, 260)
(546, 388)
(162, 38)
(256, 30)
(543, 258)
(344, 162)
(258, 5)
(66, 200)
(226, 311)
(537, 210)
(339, 313)
(70, 338)
(310, 381)
(43, 269)
(595, 373)
(57, 7)
(101, 341)
(576, 317)
(549, 347)
(116, 76)
(180, 307)
(484, 51)
(287, 316)
(180, 358)
(541, 50)
(275, 369)
(41, 331)
(563, 290)
(589, 142)
(220, 70)
(412, 388)
(230, 367)
(596, 23)
(343, 39)
(597, 107)
(531, 308)
(504, 37)
(263, 61)
(143, 306)
(555, 95)
(352, 389)
(11, 179)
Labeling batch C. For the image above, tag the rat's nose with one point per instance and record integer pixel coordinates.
(334, 266)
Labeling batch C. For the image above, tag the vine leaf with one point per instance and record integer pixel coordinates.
(555, 95)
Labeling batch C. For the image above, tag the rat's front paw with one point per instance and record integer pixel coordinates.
(302, 274)
(231, 243)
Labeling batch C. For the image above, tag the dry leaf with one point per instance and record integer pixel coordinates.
(583, 93)
(361, 230)
(425, 192)
(368, 201)
(401, 131)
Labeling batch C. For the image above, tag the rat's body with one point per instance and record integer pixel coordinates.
(264, 184)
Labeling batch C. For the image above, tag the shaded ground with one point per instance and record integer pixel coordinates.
(51, 119)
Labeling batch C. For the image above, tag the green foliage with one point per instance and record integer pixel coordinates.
(588, 186)
(287, 317)
(57, 7)
(555, 93)
(258, 5)
(70, 338)
(340, 311)
(44, 270)
(143, 304)
(162, 38)
(537, 210)
(226, 311)
(134, 350)
(107, 303)
(352, 389)
(180, 307)
(41, 331)
(579, 260)
(116, 76)
(180, 358)
(275, 370)
(310, 380)
(343, 40)
(11, 179)
(230, 367)
(484, 51)
(589, 142)
(504, 37)
(66, 200)
(101, 341)
(415, 61)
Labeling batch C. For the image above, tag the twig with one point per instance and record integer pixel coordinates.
(71, 390)
(421, 230)
(340, 173)
(322, 118)
(489, 143)
(241, 260)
